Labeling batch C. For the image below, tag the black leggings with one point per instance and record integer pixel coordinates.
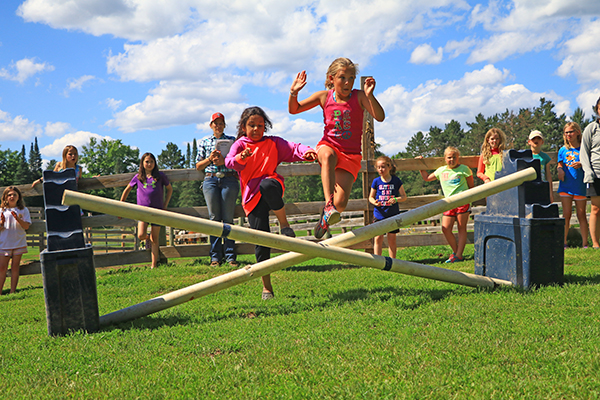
(271, 199)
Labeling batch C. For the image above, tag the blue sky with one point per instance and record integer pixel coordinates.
(152, 72)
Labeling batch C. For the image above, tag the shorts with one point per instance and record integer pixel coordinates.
(13, 252)
(575, 197)
(458, 210)
(345, 161)
(593, 189)
(395, 231)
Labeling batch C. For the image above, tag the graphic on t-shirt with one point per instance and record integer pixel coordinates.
(342, 124)
(386, 192)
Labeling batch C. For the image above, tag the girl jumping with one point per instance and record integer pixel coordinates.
(339, 151)
(256, 158)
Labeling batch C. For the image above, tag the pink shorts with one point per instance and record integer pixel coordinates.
(458, 210)
(345, 161)
(13, 252)
(573, 196)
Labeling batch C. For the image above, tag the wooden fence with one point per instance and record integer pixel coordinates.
(115, 241)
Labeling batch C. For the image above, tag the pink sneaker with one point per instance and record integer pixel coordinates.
(329, 216)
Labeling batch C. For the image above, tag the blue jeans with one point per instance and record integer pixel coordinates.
(220, 195)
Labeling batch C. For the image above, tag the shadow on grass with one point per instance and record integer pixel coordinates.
(399, 298)
(582, 279)
(334, 267)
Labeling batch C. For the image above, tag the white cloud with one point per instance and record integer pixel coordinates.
(182, 103)
(131, 19)
(57, 128)
(24, 69)
(77, 139)
(425, 54)
(113, 104)
(77, 83)
(436, 103)
(582, 55)
(17, 128)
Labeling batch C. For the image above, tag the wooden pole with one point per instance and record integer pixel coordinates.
(321, 249)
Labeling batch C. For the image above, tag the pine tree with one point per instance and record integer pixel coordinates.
(194, 152)
(22, 175)
(188, 157)
(35, 161)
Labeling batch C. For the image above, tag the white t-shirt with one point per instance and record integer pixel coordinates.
(13, 235)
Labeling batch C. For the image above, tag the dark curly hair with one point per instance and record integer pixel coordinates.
(246, 114)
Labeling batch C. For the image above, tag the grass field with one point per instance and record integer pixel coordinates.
(333, 331)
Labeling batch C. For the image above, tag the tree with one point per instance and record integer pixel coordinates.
(171, 157)
(194, 152)
(22, 175)
(35, 161)
(579, 117)
(9, 160)
(188, 157)
(108, 157)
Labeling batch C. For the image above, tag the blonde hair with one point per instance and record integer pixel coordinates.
(486, 149)
(388, 161)
(451, 149)
(65, 152)
(335, 66)
(576, 128)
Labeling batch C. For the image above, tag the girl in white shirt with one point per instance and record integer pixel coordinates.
(14, 221)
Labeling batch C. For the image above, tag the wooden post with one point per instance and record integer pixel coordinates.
(328, 248)
(368, 155)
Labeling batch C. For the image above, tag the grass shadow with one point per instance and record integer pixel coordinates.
(582, 279)
(416, 297)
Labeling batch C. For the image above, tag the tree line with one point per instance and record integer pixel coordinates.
(108, 157)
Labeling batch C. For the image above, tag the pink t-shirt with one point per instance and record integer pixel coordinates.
(343, 123)
(267, 154)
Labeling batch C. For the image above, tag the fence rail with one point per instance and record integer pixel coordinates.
(110, 230)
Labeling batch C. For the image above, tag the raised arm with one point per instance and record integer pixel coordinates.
(316, 99)
(370, 103)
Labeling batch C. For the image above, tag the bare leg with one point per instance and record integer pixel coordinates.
(580, 208)
(14, 273)
(267, 288)
(281, 217)
(154, 233)
(142, 230)
(461, 221)
(328, 160)
(567, 206)
(343, 186)
(3, 269)
(593, 226)
(378, 245)
(391, 237)
(447, 224)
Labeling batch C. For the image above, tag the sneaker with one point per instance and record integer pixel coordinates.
(288, 231)
(329, 216)
(267, 295)
(234, 263)
(214, 263)
(454, 258)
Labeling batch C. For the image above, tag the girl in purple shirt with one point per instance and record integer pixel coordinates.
(150, 183)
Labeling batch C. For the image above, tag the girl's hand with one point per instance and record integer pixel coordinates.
(14, 214)
(576, 165)
(245, 153)
(369, 86)
(561, 174)
(419, 157)
(298, 83)
(310, 155)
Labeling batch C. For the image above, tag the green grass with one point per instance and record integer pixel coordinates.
(333, 331)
